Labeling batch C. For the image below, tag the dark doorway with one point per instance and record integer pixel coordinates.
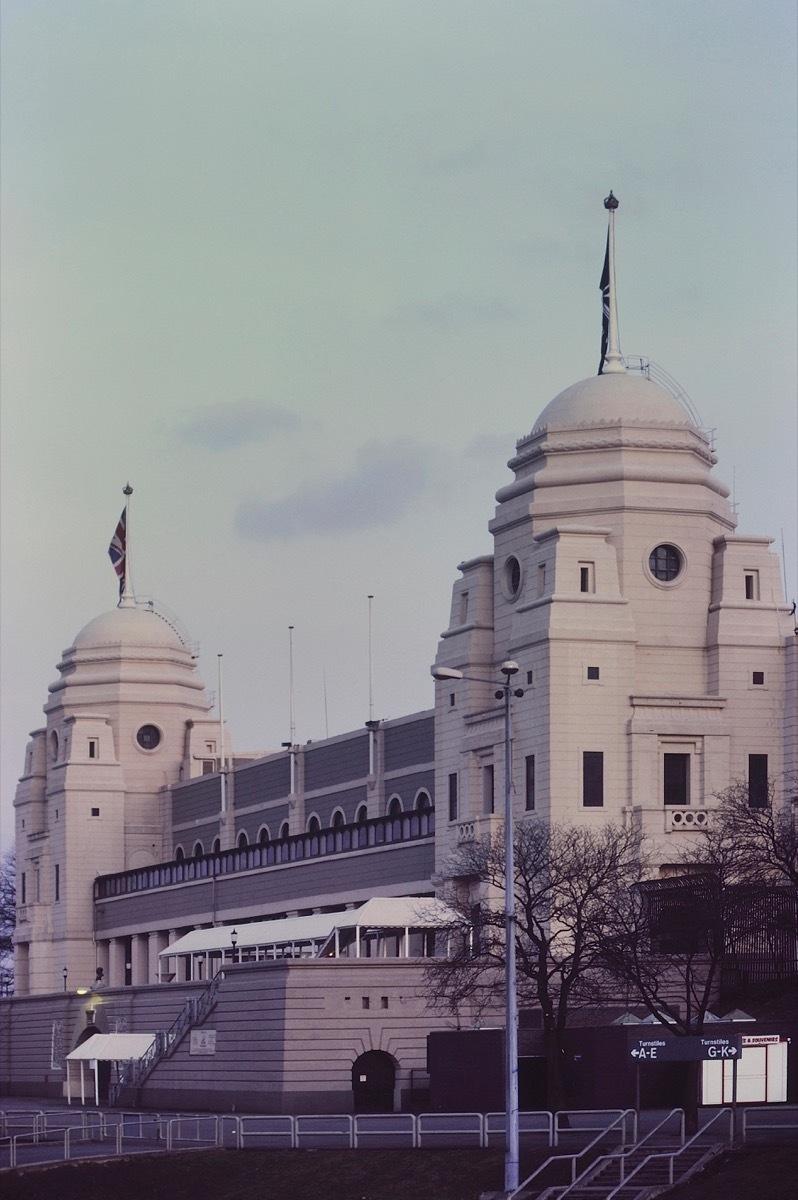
(373, 1076)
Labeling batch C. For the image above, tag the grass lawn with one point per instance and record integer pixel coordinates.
(354, 1175)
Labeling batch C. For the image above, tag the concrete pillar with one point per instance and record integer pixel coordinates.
(116, 962)
(138, 957)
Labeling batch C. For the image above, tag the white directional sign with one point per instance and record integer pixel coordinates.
(667, 1048)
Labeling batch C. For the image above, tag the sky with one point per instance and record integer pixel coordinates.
(303, 271)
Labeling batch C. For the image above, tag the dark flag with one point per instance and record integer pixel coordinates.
(117, 550)
(605, 304)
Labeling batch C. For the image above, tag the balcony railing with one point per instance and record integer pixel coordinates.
(382, 831)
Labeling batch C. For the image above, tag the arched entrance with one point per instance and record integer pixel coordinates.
(373, 1077)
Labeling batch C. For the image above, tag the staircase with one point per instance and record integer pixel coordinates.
(193, 1013)
(654, 1164)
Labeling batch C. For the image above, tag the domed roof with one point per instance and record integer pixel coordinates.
(608, 399)
(128, 627)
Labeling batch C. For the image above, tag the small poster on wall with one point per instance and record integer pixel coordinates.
(203, 1041)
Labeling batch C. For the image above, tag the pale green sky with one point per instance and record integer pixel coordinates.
(304, 271)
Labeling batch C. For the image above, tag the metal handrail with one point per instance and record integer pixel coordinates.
(670, 1156)
(620, 1121)
(621, 1156)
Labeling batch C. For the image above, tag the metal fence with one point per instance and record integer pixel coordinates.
(34, 1136)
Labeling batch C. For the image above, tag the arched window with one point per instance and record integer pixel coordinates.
(394, 807)
(217, 846)
(313, 824)
(243, 840)
(199, 850)
(54, 746)
(362, 815)
(179, 854)
(338, 819)
(284, 830)
(264, 837)
(423, 802)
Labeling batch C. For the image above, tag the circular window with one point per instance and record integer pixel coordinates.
(665, 563)
(149, 737)
(511, 577)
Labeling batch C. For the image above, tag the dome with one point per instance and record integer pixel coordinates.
(128, 627)
(609, 399)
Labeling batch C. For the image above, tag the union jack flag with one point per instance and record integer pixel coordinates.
(117, 549)
(604, 285)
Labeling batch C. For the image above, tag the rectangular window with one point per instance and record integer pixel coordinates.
(752, 585)
(541, 579)
(57, 882)
(593, 779)
(23, 888)
(587, 577)
(94, 748)
(529, 678)
(365, 1002)
(453, 799)
(758, 678)
(676, 778)
(95, 812)
(593, 673)
(463, 607)
(529, 789)
(758, 780)
(487, 790)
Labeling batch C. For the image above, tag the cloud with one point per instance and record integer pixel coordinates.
(236, 423)
(386, 479)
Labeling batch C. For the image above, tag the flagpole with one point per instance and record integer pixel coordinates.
(613, 363)
(127, 599)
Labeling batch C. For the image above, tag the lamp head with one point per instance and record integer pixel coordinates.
(509, 668)
(441, 673)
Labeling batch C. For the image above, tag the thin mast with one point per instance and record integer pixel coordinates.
(222, 761)
(127, 598)
(291, 712)
(611, 361)
(371, 670)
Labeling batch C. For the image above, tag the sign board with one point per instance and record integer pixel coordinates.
(203, 1041)
(661, 1048)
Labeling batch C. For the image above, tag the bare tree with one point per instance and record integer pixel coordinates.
(752, 838)
(8, 920)
(665, 945)
(566, 878)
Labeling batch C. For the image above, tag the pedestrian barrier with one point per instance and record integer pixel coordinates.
(775, 1121)
(33, 1136)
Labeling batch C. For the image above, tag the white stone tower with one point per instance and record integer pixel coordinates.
(127, 717)
(654, 644)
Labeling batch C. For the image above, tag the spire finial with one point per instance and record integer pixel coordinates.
(611, 362)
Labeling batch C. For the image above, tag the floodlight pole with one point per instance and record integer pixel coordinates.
(511, 1157)
(511, 1161)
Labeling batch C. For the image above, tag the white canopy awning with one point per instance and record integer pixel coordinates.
(381, 912)
(113, 1047)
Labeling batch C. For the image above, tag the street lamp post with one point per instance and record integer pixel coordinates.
(505, 692)
(65, 974)
(234, 942)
